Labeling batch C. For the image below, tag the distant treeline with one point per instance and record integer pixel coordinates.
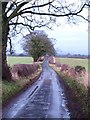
(75, 56)
(21, 55)
(64, 56)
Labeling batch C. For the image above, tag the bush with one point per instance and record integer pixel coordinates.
(23, 70)
(58, 65)
(80, 69)
(64, 67)
(72, 72)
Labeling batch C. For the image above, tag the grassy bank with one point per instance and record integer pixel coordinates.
(77, 95)
(10, 89)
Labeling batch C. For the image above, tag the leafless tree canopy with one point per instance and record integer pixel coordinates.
(39, 13)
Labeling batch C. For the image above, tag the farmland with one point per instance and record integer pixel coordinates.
(19, 60)
(72, 62)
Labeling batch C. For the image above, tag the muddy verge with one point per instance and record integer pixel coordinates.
(74, 103)
(4, 104)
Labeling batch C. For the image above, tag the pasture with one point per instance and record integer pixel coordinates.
(72, 62)
(11, 60)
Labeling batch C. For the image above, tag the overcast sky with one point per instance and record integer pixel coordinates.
(69, 38)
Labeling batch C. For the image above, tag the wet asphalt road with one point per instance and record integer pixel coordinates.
(45, 99)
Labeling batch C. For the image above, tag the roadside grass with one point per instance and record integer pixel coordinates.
(78, 89)
(72, 62)
(10, 89)
(11, 60)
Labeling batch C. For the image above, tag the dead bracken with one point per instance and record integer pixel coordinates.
(23, 70)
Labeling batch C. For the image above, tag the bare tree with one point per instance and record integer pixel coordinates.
(19, 14)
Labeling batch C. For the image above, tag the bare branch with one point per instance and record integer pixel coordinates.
(49, 14)
(36, 15)
(11, 6)
(21, 24)
(37, 6)
(83, 18)
(14, 13)
(55, 15)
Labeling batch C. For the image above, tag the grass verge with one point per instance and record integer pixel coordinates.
(13, 88)
(77, 96)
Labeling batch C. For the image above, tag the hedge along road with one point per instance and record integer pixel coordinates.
(44, 99)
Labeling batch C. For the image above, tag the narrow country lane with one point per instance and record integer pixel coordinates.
(45, 99)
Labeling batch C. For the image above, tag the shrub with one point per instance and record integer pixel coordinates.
(52, 60)
(72, 72)
(23, 70)
(58, 64)
(64, 67)
(80, 70)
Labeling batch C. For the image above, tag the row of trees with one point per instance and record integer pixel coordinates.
(17, 15)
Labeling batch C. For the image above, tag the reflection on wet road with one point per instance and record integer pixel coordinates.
(45, 99)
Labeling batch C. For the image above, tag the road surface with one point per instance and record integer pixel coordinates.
(45, 99)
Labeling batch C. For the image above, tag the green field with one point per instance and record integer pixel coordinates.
(19, 60)
(72, 62)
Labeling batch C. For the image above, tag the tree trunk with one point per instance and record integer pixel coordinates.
(6, 74)
(35, 59)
